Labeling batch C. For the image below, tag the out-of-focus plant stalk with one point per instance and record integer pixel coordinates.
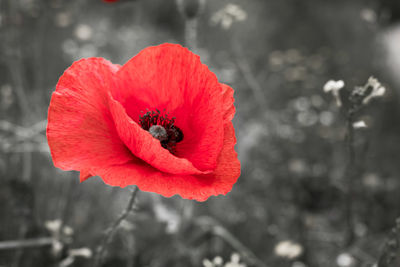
(357, 99)
(27, 243)
(109, 233)
(13, 59)
(190, 11)
(350, 176)
(390, 254)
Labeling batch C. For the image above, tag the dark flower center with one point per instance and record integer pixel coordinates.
(162, 128)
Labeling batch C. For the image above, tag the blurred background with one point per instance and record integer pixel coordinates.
(292, 205)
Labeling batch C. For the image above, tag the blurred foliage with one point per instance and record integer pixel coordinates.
(277, 55)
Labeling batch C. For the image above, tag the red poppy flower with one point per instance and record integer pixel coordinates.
(110, 1)
(162, 122)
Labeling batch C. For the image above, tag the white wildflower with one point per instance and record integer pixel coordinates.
(207, 263)
(218, 260)
(288, 249)
(235, 261)
(228, 15)
(359, 125)
(377, 89)
(53, 226)
(345, 260)
(334, 87)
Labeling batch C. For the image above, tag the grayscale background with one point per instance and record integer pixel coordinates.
(300, 201)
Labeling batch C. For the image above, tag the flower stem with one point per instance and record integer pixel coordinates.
(348, 202)
(109, 233)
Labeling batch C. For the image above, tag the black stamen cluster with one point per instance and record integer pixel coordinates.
(174, 134)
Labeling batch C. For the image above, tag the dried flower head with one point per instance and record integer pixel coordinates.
(334, 87)
(377, 89)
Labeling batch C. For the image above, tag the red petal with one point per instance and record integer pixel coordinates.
(198, 187)
(171, 77)
(80, 131)
(228, 100)
(84, 175)
(144, 146)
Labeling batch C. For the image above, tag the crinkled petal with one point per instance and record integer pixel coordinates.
(228, 100)
(144, 146)
(171, 77)
(80, 130)
(198, 187)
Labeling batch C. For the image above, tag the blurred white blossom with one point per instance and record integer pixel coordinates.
(207, 263)
(67, 230)
(235, 261)
(228, 15)
(167, 215)
(377, 89)
(369, 15)
(288, 249)
(372, 181)
(219, 262)
(334, 87)
(83, 32)
(345, 260)
(74, 253)
(359, 124)
(53, 226)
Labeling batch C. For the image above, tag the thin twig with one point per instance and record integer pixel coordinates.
(109, 233)
(245, 69)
